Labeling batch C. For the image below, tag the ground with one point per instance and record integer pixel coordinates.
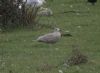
(21, 53)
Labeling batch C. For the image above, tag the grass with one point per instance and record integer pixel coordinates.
(20, 53)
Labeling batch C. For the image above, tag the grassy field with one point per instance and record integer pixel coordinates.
(20, 53)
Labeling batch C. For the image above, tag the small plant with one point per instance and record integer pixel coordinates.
(77, 57)
(30, 15)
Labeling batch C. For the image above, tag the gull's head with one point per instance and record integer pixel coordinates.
(57, 29)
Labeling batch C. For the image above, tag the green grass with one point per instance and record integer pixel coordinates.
(20, 53)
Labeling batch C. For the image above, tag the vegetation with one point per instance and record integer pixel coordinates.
(12, 16)
(21, 53)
